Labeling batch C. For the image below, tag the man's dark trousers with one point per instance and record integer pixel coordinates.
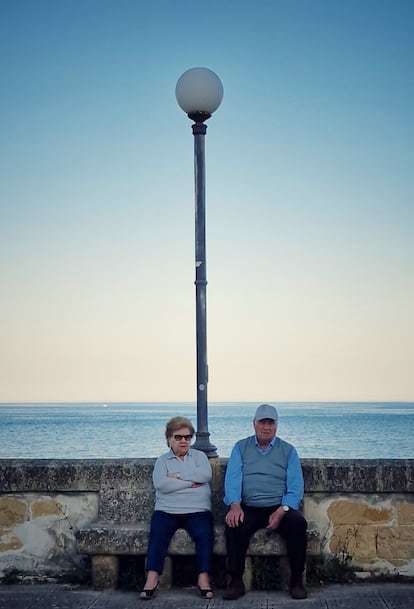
(292, 528)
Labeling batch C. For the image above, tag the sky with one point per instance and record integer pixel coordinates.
(309, 200)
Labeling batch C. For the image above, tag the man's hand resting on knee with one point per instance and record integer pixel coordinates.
(235, 515)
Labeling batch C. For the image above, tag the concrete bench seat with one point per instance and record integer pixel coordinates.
(130, 539)
(105, 542)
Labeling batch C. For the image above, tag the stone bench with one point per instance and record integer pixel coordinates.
(105, 543)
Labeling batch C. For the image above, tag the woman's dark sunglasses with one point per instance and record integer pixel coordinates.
(178, 437)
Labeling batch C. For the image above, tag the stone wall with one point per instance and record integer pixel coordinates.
(362, 508)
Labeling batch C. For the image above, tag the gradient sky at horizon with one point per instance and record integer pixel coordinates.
(310, 206)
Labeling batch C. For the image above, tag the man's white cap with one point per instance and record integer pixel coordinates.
(266, 411)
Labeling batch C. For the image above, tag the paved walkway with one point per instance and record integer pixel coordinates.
(349, 596)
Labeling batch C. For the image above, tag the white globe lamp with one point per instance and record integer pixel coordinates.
(199, 93)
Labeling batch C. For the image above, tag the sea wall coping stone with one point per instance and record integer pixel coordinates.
(320, 475)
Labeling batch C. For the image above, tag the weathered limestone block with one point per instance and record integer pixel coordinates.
(315, 508)
(129, 505)
(116, 539)
(357, 541)
(9, 541)
(41, 539)
(284, 572)
(218, 467)
(105, 570)
(43, 475)
(344, 475)
(13, 511)
(45, 506)
(126, 493)
(405, 513)
(353, 512)
(396, 542)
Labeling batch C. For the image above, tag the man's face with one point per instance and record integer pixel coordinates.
(265, 430)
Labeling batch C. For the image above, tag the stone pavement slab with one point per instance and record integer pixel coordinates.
(348, 596)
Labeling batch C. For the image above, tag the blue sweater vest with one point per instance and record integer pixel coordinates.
(264, 476)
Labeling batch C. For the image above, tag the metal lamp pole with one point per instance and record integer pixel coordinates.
(199, 93)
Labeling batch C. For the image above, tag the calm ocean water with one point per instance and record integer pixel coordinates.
(90, 430)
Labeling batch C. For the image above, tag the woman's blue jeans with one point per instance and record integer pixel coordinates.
(163, 526)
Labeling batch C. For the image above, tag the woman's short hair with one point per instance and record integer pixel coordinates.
(175, 424)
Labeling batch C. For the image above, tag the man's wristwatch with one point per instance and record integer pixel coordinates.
(286, 508)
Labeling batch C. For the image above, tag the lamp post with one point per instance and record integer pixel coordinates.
(199, 92)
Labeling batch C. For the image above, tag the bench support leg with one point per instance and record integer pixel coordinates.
(284, 571)
(166, 577)
(105, 571)
(248, 573)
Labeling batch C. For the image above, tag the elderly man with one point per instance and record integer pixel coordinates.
(264, 488)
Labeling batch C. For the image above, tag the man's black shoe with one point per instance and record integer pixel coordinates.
(235, 590)
(298, 591)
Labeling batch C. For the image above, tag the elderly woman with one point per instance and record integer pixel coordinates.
(182, 501)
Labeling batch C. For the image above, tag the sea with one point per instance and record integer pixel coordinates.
(337, 430)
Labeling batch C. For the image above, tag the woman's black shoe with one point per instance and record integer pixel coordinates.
(147, 593)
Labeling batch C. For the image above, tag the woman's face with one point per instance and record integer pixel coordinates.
(180, 441)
